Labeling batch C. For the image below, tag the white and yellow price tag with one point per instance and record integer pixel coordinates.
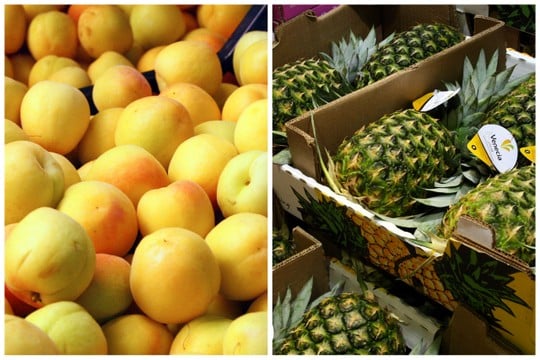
(433, 99)
(495, 146)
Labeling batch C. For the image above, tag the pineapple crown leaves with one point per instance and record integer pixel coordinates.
(450, 190)
(481, 86)
(348, 57)
(288, 313)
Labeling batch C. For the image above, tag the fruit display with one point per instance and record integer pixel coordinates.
(135, 187)
(428, 174)
(378, 158)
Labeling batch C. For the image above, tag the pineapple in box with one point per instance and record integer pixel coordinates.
(283, 246)
(507, 203)
(408, 48)
(336, 323)
(489, 98)
(307, 83)
(387, 164)
(487, 285)
(393, 164)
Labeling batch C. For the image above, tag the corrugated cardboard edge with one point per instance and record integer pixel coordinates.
(481, 237)
(403, 85)
(295, 271)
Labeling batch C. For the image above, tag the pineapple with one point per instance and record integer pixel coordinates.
(406, 49)
(300, 86)
(507, 203)
(283, 246)
(336, 323)
(387, 164)
(517, 113)
(308, 83)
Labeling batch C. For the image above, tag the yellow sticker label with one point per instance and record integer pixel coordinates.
(475, 146)
(529, 152)
(419, 103)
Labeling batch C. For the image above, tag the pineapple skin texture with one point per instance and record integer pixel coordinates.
(408, 48)
(517, 113)
(389, 162)
(507, 202)
(302, 86)
(348, 323)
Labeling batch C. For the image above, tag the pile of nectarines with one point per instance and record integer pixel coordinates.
(140, 226)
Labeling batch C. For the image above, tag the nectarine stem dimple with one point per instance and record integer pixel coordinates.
(36, 297)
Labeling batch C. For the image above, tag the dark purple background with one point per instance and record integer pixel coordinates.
(282, 13)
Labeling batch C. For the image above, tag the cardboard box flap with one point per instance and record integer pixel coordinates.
(395, 92)
(305, 243)
(481, 237)
(295, 271)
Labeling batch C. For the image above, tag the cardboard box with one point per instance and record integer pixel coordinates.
(498, 288)
(294, 272)
(350, 227)
(468, 334)
(340, 118)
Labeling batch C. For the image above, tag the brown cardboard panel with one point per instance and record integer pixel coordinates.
(468, 334)
(295, 271)
(314, 34)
